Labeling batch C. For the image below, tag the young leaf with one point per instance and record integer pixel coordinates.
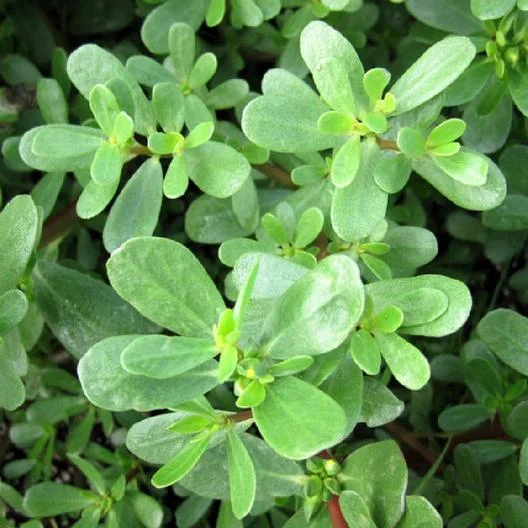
(164, 281)
(408, 365)
(346, 162)
(242, 477)
(411, 142)
(446, 132)
(464, 167)
(419, 511)
(94, 476)
(106, 165)
(298, 420)
(182, 463)
(392, 172)
(355, 511)
(169, 106)
(182, 50)
(176, 179)
(350, 219)
(203, 70)
(308, 226)
(199, 135)
(161, 357)
(365, 352)
(104, 107)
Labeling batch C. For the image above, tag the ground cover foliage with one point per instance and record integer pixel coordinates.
(263, 263)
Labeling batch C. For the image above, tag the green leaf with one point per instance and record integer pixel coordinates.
(388, 320)
(13, 308)
(242, 477)
(169, 106)
(308, 226)
(155, 29)
(408, 365)
(374, 82)
(422, 306)
(491, 9)
(95, 198)
(513, 511)
(365, 352)
(12, 391)
(506, 333)
(81, 432)
(331, 57)
(164, 281)
(176, 179)
(177, 467)
(285, 118)
(388, 293)
(472, 197)
(464, 167)
(378, 474)
(94, 476)
(182, 50)
(19, 226)
(215, 14)
(146, 508)
(433, 72)
(316, 314)
(419, 513)
(298, 420)
(510, 215)
(60, 147)
(411, 142)
(517, 87)
(451, 16)
(81, 310)
(162, 357)
(446, 132)
(345, 386)
(123, 128)
(104, 107)
(380, 406)
(291, 366)
(51, 101)
(48, 499)
(346, 162)
(136, 210)
(203, 70)
(355, 511)
(392, 172)
(463, 417)
(106, 165)
(350, 219)
(107, 385)
(217, 169)
(90, 65)
(199, 135)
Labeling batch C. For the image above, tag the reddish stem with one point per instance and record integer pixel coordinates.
(336, 515)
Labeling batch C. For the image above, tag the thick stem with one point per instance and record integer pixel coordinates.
(336, 515)
(277, 174)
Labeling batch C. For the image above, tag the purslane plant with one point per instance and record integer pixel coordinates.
(346, 293)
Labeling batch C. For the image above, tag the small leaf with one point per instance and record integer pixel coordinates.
(365, 352)
(161, 357)
(203, 70)
(252, 396)
(106, 165)
(446, 132)
(178, 466)
(375, 81)
(388, 320)
(465, 167)
(242, 477)
(308, 226)
(411, 142)
(176, 179)
(408, 365)
(169, 106)
(199, 135)
(346, 162)
(104, 107)
(392, 172)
